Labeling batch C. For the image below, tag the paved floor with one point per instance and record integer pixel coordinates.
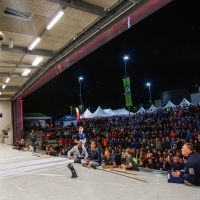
(26, 177)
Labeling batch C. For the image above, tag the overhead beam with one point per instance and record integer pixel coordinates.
(24, 50)
(82, 5)
(5, 97)
(19, 66)
(11, 88)
(13, 75)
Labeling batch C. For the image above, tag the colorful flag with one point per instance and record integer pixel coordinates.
(127, 90)
(77, 115)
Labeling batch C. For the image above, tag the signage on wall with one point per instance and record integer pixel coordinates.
(1, 115)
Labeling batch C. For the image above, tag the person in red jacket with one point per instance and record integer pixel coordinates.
(195, 134)
(172, 134)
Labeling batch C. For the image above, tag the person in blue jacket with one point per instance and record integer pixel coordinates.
(134, 144)
(192, 175)
(95, 156)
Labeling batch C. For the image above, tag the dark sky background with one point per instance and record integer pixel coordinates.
(164, 49)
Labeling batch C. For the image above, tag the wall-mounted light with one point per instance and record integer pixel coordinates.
(4, 85)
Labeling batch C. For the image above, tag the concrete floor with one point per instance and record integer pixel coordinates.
(26, 177)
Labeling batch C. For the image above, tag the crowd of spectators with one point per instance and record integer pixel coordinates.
(155, 138)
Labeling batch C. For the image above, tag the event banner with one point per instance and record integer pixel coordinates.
(127, 89)
(77, 115)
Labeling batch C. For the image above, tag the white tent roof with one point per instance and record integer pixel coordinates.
(169, 104)
(184, 102)
(99, 113)
(152, 108)
(122, 112)
(86, 113)
(141, 110)
(110, 111)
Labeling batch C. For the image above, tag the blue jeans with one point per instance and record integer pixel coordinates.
(94, 164)
(33, 144)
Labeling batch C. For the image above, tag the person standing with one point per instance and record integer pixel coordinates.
(33, 139)
(192, 175)
(81, 136)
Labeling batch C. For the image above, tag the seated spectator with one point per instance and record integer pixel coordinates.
(123, 156)
(108, 159)
(157, 144)
(175, 165)
(57, 149)
(151, 164)
(16, 144)
(189, 134)
(173, 144)
(130, 162)
(172, 134)
(43, 143)
(28, 148)
(196, 146)
(53, 152)
(170, 157)
(179, 144)
(47, 151)
(22, 145)
(149, 153)
(64, 151)
(79, 152)
(95, 156)
(160, 164)
(155, 156)
(143, 156)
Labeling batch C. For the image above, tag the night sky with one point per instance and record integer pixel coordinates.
(164, 49)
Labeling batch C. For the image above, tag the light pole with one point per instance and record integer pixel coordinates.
(71, 110)
(80, 78)
(125, 59)
(149, 85)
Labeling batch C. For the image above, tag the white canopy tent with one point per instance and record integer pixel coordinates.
(169, 104)
(141, 110)
(99, 113)
(152, 108)
(110, 111)
(184, 102)
(86, 113)
(122, 112)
